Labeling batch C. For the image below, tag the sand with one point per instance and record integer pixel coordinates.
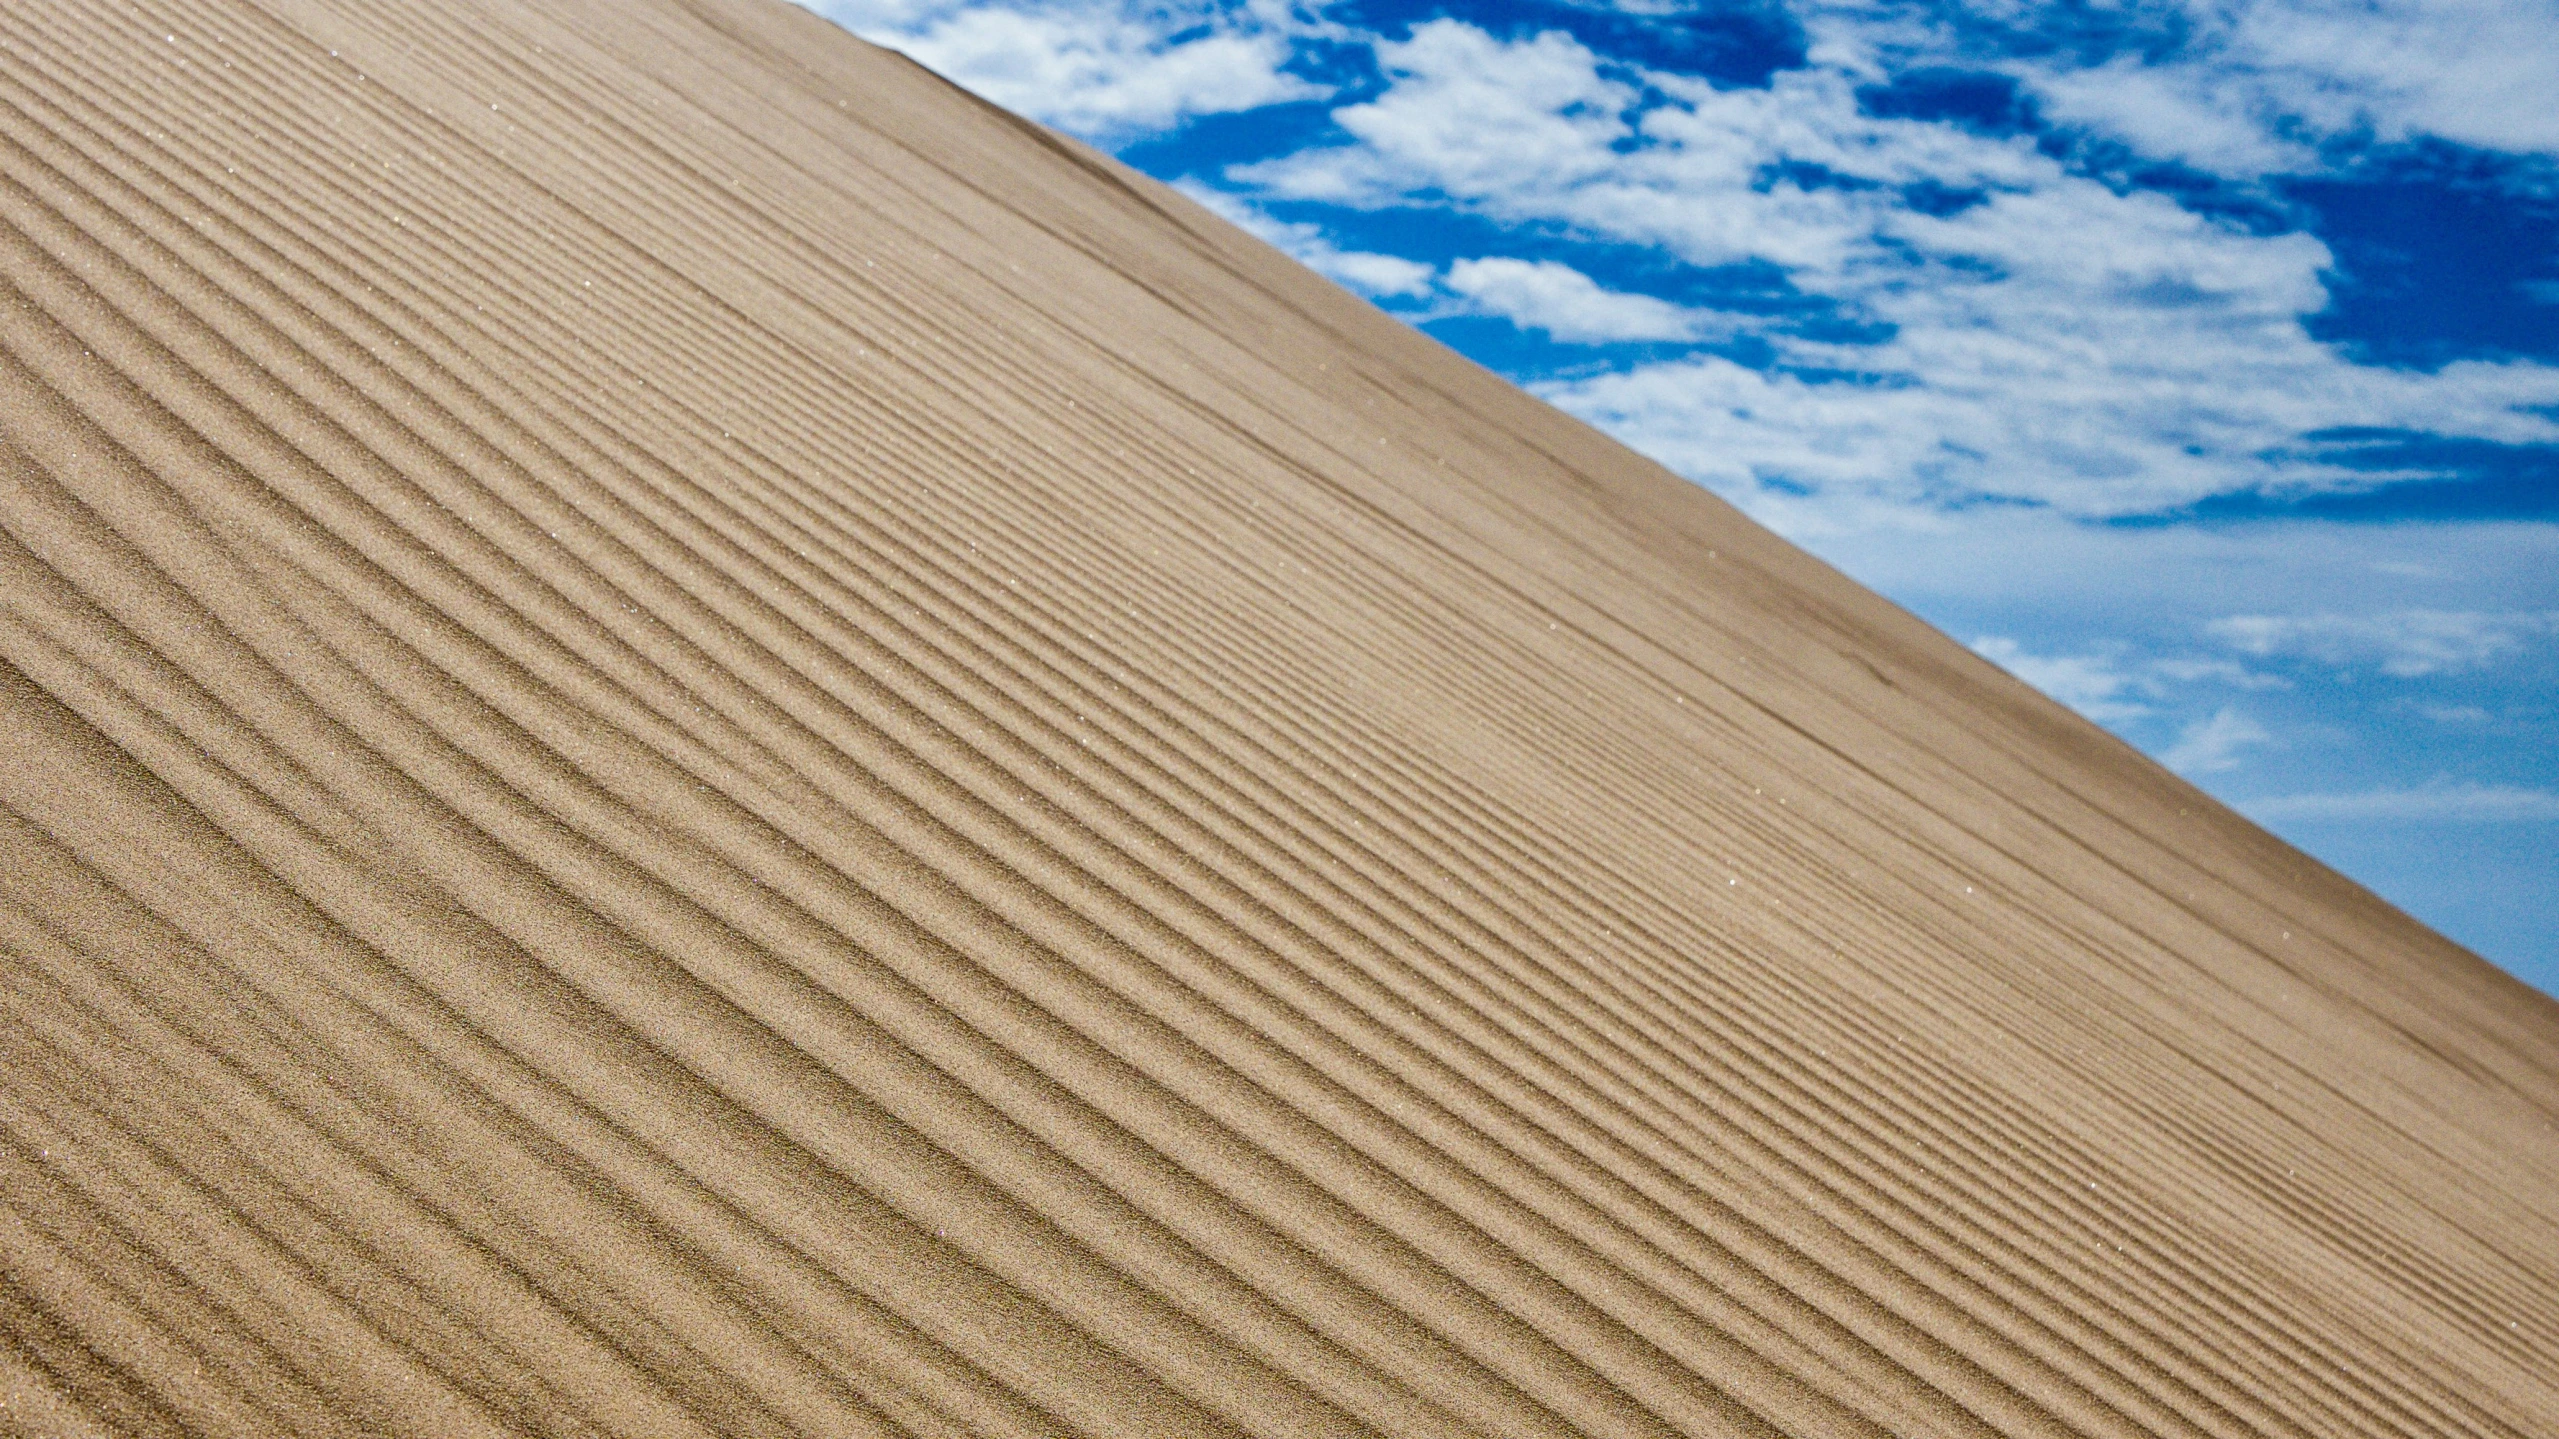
(696, 738)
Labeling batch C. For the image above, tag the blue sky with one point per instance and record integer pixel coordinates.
(2198, 362)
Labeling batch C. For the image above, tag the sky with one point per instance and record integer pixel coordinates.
(2197, 362)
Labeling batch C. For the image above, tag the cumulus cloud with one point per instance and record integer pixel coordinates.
(2406, 643)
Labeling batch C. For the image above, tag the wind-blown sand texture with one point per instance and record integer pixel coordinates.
(698, 739)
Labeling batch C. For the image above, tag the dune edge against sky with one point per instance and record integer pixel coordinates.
(703, 740)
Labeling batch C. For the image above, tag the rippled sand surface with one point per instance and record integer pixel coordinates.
(696, 739)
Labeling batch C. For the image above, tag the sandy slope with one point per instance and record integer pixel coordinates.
(699, 740)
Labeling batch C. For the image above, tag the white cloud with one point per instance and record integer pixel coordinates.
(1533, 131)
(2213, 744)
(2111, 684)
(1532, 294)
(2441, 800)
(1098, 70)
(1460, 118)
(2480, 72)
(1571, 306)
(2175, 112)
(1370, 273)
(2252, 87)
(2405, 643)
(2033, 565)
(2058, 343)
(2096, 685)
(2194, 671)
(2113, 689)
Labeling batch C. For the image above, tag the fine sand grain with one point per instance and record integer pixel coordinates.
(697, 739)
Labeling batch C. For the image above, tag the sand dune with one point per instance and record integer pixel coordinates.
(698, 739)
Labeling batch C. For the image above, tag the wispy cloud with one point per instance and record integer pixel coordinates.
(2247, 87)
(1569, 305)
(1379, 276)
(2096, 685)
(2114, 685)
(2214, 743)
(1103, 71)
(2480, 72)
(2116, 688)
(1543, 295)
(2444, 800)
(2406, 643)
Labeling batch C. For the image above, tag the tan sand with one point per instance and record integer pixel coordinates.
(697, 739)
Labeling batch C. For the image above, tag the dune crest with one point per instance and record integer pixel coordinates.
(698, 739)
